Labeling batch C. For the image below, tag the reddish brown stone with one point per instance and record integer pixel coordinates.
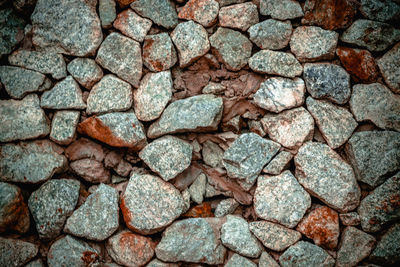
(84, 148)
(124, 3)
(200, 211)
(204, 12)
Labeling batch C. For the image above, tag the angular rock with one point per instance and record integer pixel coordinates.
(350, 218)
(15, 252)
(85, 71)
(225, 207)
(11, 30)
(278, 163)
(387, 249)
(284, 9)
(63, 126)
(107, 13)
(239, 16)
(267, 261)
(197, 189)
(161, 12)
(281, 199)
(91, 170)
(388, 65)
(52, 204)
(204, 12)
(271, 34)
(212, 154)
(238, 261)
(159, 52)
(84, 148)
(305, 254)
(380, 10)
(158, 263)
(132, 25)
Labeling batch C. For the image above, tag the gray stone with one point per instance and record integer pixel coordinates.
(239, 16)
(35, 263)
(63, 126)
(14, 252)
(30, 162)
(275, 63)
(388, 64)
(225, 207)
(278, 163)
(380, 10)
(85, 71)
(159, 52)
(267, 261)
(271, 34)
(204, 12)
(98, 217)
(158, 263)
(282, 9)
(231, 47)
(229, 2)
(197, 189)
(327, 81)
(238, 261)
(212, 154)
(91, 170)
(107, 13)
(132, 25)
(326, 176)
(21, 120)
(214, 88)
(281, 199)
(122, 56)
(11, 31)
(350, 218)
(52, 204)
(161, 12)
(373, 35)
(305, 254)
(387, 249)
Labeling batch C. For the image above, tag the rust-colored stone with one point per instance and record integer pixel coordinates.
(157, 65)
(202, 11)
(15, 215)
(89, 257)
(124, 3)
(200, 211)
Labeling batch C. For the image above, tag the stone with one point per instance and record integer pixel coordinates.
(373, 35)
(191, 41)
(380, 10)
(229, 2)
(71, 27)
(19, 82)
(153, 95)
(132, 25)
(311, 43)
(267, 261)
(278, 163)
(327, 81)
(204, 12)
(290, 128)
(129, 249)
(64, 95)
(158, 263)
(359, 63)
(35, 263)
(121, 56)
(30, 162)
(199, 113)
(350, 218)
(85, 71)
(271, 34)
(192, 240)
(159, 52)
(355, 245)
(84, 148)
(118, 129)
(225, 207)
(44, 62)
(283, 9)
(275, 63)
(124, 3)
(197, 189)
(239, 16)
(274, 236)
(22, 119)
(238, 261)
(98, 217)
(15, 252)
(337, 187)
(305, 254)
(381, 207)
(63, 126)
(277, 94)
(212, 154)
(107, 13)
(387, 249)
(52, 204)
(91, 170)
(161, 12)
(149, 204)
(388, 65)
(335, 123)
(11, 31)
(14, 213)
(289, 207)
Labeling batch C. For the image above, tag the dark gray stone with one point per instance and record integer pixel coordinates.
(14, 252)
(380, 10)
(388, 64)
(11, 31)
(388, 247)
(161, 12)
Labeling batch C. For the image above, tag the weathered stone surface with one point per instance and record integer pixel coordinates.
(229, 2)
(11, 31)
(355, 245)
(273, 235)
(375, 36)
(158, 263)
(380, 10)
(192, 240)
(305, 254)
(84, 148)
(291, 128)
(159, 52)
(281, 199)
(271, 34)
(238, 261)
(212, 154)
(63, 126)
(283, 9)
(119, 129)
(161, 12)
(278, 163)
(204, 12)
(231, 47)
(267, 261)
(52, 204)
(124, 3)
(153, 95)
(275, 63)
(335, 123)
(277, 94)
(30, 162)
(98, 217)
(91, 170)
(225, 207)
(197, 189)
(35, 263)
(85, 71)
(71, 27)
(195, 114)
(132, 25)
(122, 56)
(239, 16)
(149, 204)
(387, 249)
(350, 218)
(107, 13)
(336, 187)
(22, 120)
(15, 252)
(389, 66)
(129, 249)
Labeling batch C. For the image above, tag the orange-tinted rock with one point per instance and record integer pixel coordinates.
(124, 3)
(84, 148)
(204, 12)
(200, 211)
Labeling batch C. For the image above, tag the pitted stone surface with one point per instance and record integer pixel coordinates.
(271, 34)
(132, 25)
(305, 254)
(85, 71)
(161, 12)
(278, 163)
(380, 10)
(389, 66)
(159, 52)
(239, 16)
(284, 9)
(11, 27)
(15, 252)
(63, 126)
(238, 261)
(386, 251)
(204, 12)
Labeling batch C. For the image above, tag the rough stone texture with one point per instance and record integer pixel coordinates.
(52, 204)
(335, 123)
(273, 235)
(159, 52)
(239, 16)
(389, 66)
(267, 261)
(14, 213)
(327, 81)
(277, 94)
(271, 34)
(375, 36)
(278, 163)
(387, 249)
(85, 71)
(122, 56)
(225, 207)
(35, 263)
(275, 63)
(192, 240)
(191, 41)
(91, 170)
(71, 27)
(197, 189)
(281, 199)
(11, 31)
(238, 261)
(63, 126)
(229, 2)
(84, 148)
(290, 128)
(161, 12)
(350, 218)
(380, 10)
(196, 114)
(15, 252)
(129, 249)
(231, 47)
(158, 263)
(21, 120)
(132, 25)
(149, 204)
(98, 217)
(283, 9)
(153, 95)
(30, 162)
(204, 12)
(305, 254)
(107, 13)
(212, 154)
(355, 245)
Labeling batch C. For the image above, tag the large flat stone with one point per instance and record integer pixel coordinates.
(161, 12)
